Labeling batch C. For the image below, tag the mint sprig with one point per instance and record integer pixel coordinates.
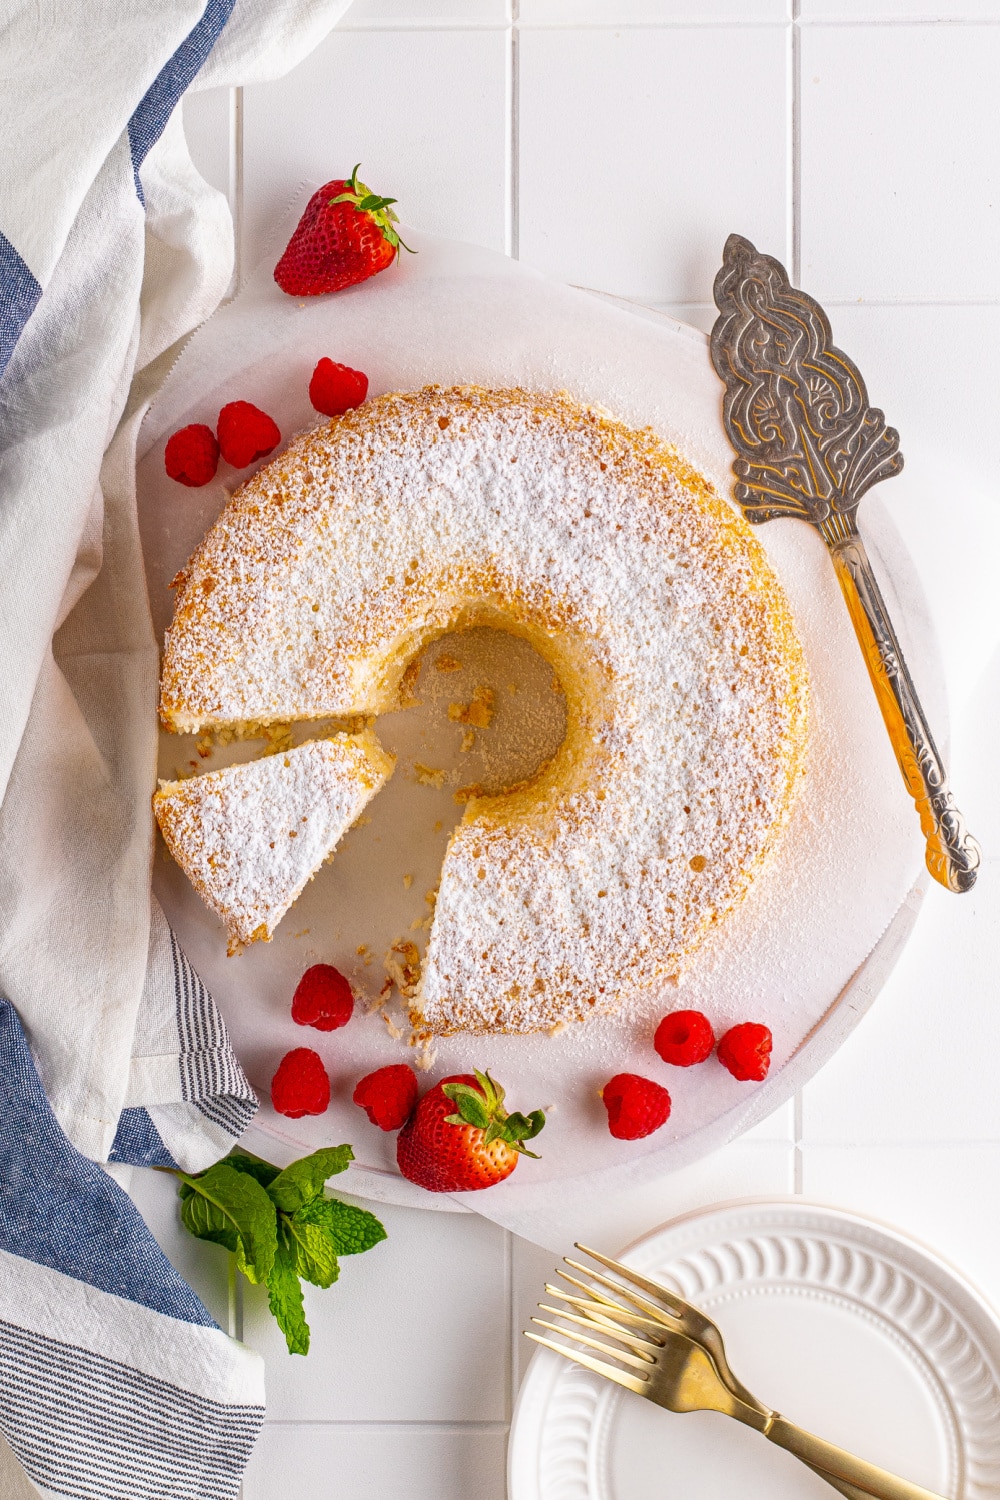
(280, 1225)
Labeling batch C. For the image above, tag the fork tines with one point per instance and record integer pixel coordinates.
(631, 1382)
(632, 1327)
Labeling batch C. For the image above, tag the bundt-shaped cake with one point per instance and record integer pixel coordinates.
(686, 688)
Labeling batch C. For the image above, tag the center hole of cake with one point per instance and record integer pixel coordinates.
(491, 711)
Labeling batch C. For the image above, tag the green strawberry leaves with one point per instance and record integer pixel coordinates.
(483, 1107)
(280, 1225)
(365, 201)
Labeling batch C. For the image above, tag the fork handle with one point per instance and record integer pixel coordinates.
(952, 853)
(842, 1486)
(833, 1461)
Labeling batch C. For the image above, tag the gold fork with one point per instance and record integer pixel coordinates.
(676, 1371)
(672, 1309)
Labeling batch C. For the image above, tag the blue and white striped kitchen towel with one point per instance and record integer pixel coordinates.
(115, 1383)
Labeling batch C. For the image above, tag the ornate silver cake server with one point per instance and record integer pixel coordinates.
(809, 445)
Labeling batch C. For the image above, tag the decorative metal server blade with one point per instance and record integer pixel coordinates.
(809, 445)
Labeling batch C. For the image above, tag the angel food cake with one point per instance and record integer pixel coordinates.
(250, 838)
(421, 513)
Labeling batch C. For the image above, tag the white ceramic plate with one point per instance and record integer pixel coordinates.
(845, 1326)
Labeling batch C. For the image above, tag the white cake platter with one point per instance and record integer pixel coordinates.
(847, 1327)
(811, 945)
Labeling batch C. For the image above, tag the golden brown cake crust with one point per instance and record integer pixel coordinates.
(685, 680)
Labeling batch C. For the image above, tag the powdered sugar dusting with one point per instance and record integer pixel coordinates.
(684, 677)
(250, 836)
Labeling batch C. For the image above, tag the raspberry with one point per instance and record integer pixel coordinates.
(388, 1095)
(684, 1037)
(300, 1086)
(746, 1051)
(636, 1106)
(334, 388)
(192, 455)
(246, 433)
(322, 999)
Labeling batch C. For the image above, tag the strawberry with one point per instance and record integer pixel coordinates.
(322, 999)
(684, 1037)
(335, 388)
(246, 433)
(301, 1085)
(746, 1051)
(192, 455)
(460, 1137)
(345, 235)
(388, 1095)
(636, 1106)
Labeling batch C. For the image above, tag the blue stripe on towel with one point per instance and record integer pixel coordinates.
(19, 294)
(211, 1077)
(138, 1142)
(60, 1209)
(93, 1428)
(154, 109)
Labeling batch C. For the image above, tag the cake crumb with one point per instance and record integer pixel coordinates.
(204, 746)
(394, 1031)
(426, 1056)
(361, 822)
(429, 775)
(303, 933)
(278, 737)
(402, 964)
(446, 663)
(438, 826)
(407, 882)
(408, 681)
(479, 712)
(468, 739)
(557, 1029)
(361, 949)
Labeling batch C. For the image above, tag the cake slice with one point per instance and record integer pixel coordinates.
(250, 837)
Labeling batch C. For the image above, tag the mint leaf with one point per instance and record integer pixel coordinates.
(241, 1161)
(315, 1255)
(350, 1230)
(279, 1225)
(304, 1179)
(284, 1297)
(232, 1209)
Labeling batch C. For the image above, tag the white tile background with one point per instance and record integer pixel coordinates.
(615, 143)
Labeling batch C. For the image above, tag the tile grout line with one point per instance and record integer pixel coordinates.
(396, 1424)
(749, 24)
(514, 144)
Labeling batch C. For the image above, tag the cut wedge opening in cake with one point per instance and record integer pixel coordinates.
(347, 573)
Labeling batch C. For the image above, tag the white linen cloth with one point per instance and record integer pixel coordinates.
(95, 285)
(115, 1382)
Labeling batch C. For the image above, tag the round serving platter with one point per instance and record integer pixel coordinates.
(847, 1327)
(809, 947)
